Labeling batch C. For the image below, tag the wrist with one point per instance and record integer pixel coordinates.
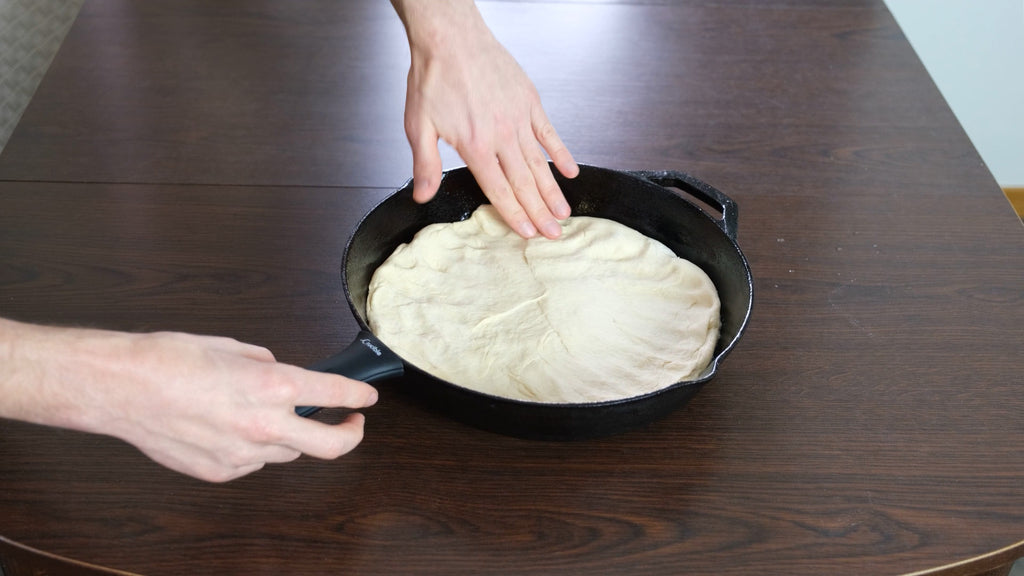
(434, 25)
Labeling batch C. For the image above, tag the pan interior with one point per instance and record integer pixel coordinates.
(646, 207)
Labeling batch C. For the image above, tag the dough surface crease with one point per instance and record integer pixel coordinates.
(602, 313)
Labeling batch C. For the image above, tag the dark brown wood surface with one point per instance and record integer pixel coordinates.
(198, 166)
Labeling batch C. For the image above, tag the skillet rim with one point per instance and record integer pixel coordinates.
(640, 177)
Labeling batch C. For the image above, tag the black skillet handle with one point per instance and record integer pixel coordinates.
(700, 190)
(364, 359)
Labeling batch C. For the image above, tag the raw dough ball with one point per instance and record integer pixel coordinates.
(601, 313)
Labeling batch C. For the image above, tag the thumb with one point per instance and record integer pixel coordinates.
(426, 163)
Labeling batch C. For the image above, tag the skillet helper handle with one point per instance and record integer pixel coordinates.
(700, 190)
(364, 359)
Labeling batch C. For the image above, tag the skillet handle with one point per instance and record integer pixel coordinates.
(700, 190)
(364, 359)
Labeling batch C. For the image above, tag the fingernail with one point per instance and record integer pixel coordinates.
(552, 229)
(526, 230)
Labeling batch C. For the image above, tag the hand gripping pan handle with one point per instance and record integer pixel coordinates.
(364, 359)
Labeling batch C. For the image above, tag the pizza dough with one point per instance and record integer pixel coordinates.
(601, 313)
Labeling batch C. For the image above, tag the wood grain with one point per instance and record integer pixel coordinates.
(253, 93)
(865, 419)
(199, 166)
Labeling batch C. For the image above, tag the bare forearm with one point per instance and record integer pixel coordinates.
(444, 29)
(210, 407)
(424, 20)
(38, 381)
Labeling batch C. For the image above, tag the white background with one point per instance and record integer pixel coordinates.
(974, 51)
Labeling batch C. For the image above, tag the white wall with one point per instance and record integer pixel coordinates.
(974, 51)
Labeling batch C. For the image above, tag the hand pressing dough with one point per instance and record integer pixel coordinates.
(602, 313)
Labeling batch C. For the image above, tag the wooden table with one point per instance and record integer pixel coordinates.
(198, 166)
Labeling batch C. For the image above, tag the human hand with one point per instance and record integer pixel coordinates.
(465, 88)
(213, 408)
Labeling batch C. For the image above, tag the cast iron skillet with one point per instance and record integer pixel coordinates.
(641, 200)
